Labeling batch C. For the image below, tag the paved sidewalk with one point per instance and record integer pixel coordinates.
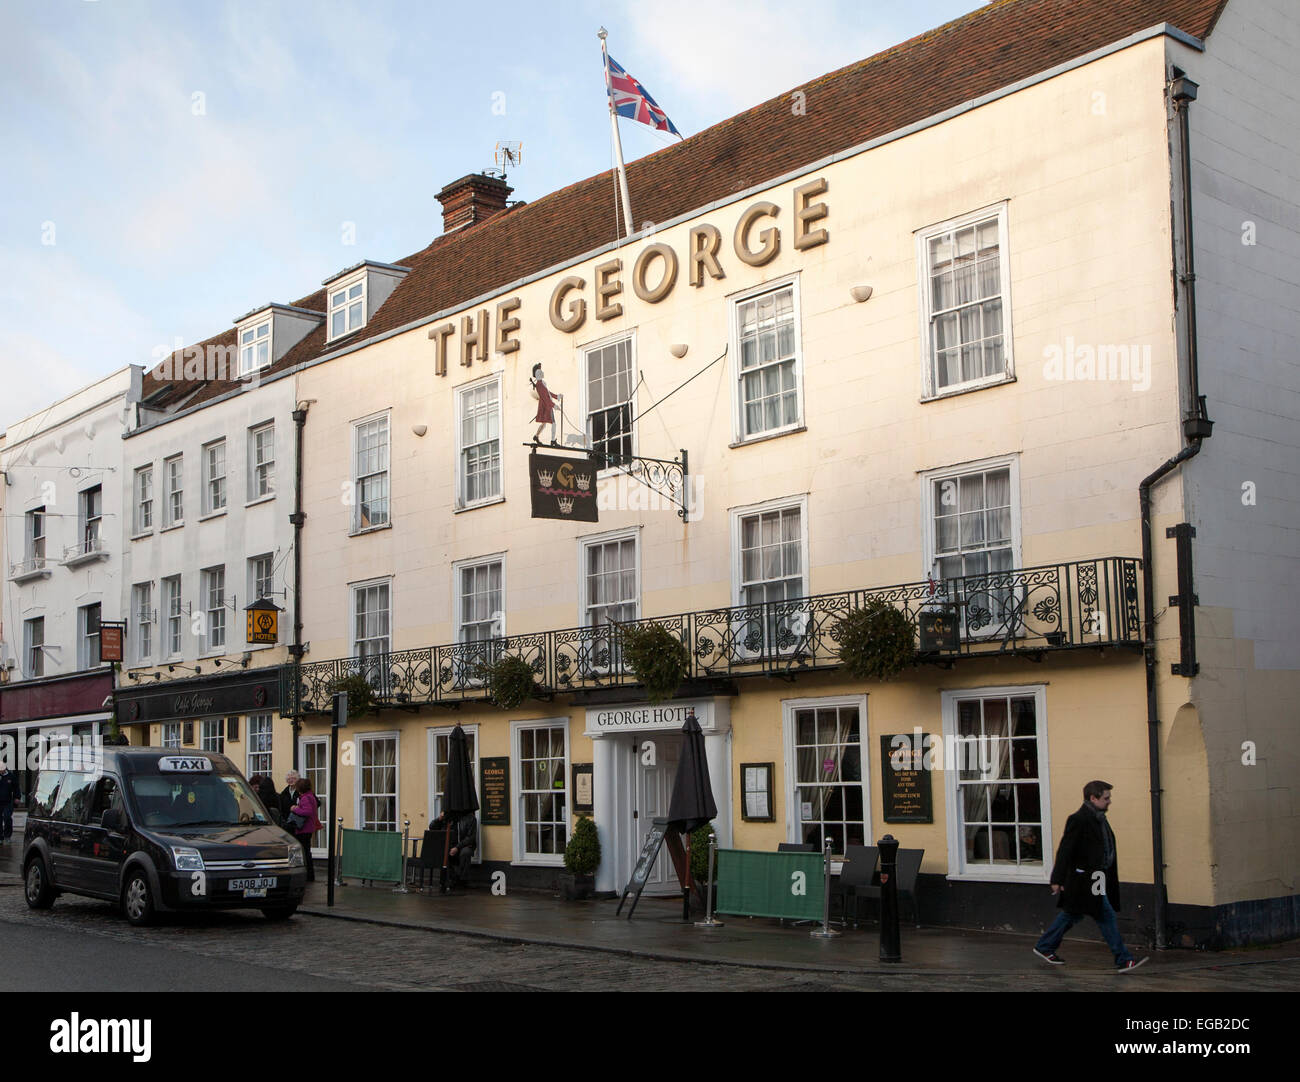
(657, 931)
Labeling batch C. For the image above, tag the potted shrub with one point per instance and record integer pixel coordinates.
(510, 681)
(876, 641)
(581, 858)
(656, 657)
(361, 696)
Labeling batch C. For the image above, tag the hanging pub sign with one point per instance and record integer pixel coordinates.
(112, 637)
(939, 627)
(263, 622)
(562, 487)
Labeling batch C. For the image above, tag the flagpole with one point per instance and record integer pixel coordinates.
(618, 143)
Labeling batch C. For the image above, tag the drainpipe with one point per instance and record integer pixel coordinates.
(1196, 427)
(297, 518)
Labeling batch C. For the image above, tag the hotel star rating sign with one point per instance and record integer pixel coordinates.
(263, 622)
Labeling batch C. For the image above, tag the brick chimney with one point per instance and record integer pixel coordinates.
(471, 199)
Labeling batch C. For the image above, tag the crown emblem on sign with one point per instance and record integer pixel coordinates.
(545, 477)
(583, 481)
(566, 504)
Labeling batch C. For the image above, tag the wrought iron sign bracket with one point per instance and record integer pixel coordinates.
(666, 477)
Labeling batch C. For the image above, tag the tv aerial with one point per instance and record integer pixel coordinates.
(507, 155)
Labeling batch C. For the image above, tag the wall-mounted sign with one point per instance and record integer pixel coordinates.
(583, 796)
(563, 487)
(112, 638)
(939, 627)
(494, 784)
(756, 786)
(906, 790)
(263, 622)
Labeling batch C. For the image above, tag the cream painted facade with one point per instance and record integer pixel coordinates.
(1088, 234)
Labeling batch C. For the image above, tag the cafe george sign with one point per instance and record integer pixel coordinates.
(755, 242)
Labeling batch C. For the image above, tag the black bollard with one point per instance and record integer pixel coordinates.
(889, 945)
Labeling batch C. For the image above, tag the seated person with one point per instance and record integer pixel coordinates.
(463, 842)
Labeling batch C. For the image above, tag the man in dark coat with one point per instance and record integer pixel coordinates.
(289, 794)
(464, 840)
(1085, 879)
(8, 798)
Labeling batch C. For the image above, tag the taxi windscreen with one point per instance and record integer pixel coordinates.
(191, 800)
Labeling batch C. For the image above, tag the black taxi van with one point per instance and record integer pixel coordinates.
(156, 830)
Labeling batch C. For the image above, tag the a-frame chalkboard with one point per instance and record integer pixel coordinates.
(654, 841)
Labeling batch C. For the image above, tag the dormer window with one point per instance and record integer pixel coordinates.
(255, 347)
(347, 308)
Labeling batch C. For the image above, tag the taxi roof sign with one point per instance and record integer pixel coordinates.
(184, 764)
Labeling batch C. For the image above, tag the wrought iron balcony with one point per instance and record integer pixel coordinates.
(31, 568)
(1028, 611)
(91, 548)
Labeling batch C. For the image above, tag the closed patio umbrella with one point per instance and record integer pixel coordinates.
(692, 803)
(458, 792)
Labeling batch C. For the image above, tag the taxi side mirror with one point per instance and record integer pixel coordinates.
(114, 819)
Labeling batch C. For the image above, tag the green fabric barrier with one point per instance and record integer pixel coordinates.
(753, 884)
(372, 854)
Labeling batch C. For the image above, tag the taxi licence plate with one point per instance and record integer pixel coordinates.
(247, 885)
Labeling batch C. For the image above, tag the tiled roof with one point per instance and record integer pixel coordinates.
(974, 55)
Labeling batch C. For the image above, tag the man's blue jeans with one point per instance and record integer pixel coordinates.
(1108, 923)
(6, 820)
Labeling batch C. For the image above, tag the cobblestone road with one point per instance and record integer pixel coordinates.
(407, 959)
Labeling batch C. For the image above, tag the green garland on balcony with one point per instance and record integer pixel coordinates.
(510, 681)
(656, 657)
(361, 696)
(876, 641)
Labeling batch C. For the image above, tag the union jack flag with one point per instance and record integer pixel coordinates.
(632, 100)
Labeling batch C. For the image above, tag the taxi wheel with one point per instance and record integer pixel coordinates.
(283, 912)
(137, 899)
(39, 893)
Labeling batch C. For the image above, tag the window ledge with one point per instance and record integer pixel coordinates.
(768, 436)
(211, 515)
(179, 524)
(479, 503)
(141, 536)
(30, 575)
(1038, 879)
(260, 499)
(85, 558)
(541, 862)
(370, 529)
(967, 388)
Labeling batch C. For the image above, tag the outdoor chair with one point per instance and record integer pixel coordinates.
(796, 847)
(855, 875)
(908, 868)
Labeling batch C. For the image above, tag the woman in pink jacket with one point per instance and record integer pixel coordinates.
(307, 807)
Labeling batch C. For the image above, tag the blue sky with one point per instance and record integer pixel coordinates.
(170, 166)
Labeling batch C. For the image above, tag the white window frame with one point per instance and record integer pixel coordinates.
(631, 533)
(584, 394)
(251, 340)
(84, 636)
(171, 734)
(88, 523)
(33, 651)
(263, 471)
(435, 793)
(738, 515)
(207, 599)
(957, 869)
(253, 741)
(387, 472)
(734, 301)
(174, 471)
(173, 621)
(930, 560)
(469, 564)
(518, 825)
(212, 731)
(254, 594)
(462, 481)
(345, 287)
(353, 589)
(363, 738)
(929, 381)
(214, 484)
(143, 501)
(788, 709)
(142, 611)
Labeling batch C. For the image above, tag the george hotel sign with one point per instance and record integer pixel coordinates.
(756, 240)
(639, 717)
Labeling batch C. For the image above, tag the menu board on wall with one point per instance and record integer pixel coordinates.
(906, 782)
(494, 784)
